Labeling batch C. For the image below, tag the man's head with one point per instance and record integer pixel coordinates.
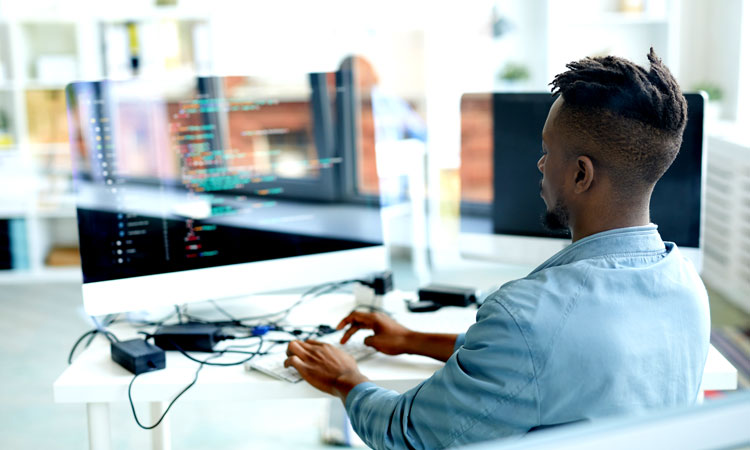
(611, 134)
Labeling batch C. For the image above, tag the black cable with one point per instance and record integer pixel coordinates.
(230, 349)
(223, 311)
(75, 346)
(99, 327)
(236, 322)
(247, 346)
(219, 353)
(109, 320)
(218, 323)
(240, 352)
(316, 292)
(132, 406)
(195, 379)
(93, 332)
(216, 353)
(139, 323)
(324, 288)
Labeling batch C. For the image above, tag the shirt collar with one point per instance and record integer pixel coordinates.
(640, 240)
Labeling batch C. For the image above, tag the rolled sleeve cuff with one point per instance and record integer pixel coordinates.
(459, 341)
(356, 392)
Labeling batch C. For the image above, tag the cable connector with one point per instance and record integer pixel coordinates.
(369, 291)
(380, 282)
(261, 330)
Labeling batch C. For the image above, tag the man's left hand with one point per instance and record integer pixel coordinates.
(325, 367)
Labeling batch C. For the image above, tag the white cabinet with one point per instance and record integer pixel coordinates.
(726, 265)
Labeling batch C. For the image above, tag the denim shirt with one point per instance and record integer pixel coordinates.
(615, 323)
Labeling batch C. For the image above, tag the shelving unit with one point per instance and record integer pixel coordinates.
(38, 59)
(39, 55)
(544, 35)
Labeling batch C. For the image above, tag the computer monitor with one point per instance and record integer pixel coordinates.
(212, 188)
(511, 209)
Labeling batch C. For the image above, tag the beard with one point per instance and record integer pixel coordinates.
(556, 220)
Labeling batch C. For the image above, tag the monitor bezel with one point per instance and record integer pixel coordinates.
(231, 281)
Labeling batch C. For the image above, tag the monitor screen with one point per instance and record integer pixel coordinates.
(218, 172)
(518, 120)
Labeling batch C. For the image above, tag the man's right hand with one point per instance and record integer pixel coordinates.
(393, 338)
(390, 337)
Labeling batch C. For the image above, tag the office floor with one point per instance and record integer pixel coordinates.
(41, 322)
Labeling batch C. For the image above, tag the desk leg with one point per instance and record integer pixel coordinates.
(99, 432)
(335, 429)
(161, 437)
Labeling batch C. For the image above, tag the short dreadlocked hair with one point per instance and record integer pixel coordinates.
(627, 119)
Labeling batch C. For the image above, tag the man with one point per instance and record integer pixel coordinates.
(615, 323)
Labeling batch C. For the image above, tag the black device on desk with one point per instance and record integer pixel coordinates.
(434, 296)
(138, 356)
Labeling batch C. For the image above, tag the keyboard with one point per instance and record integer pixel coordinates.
(273, 363)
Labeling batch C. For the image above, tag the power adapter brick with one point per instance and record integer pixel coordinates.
(435, 296)
(448, 295)
(189, 337)
(138, 356)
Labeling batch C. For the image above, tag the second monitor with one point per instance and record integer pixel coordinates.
(501, 208)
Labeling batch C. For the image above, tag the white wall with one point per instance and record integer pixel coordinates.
(710, 48)
(743, 95)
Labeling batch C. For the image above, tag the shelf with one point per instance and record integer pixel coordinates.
(53, 148)
(13, 213)
(35, 85)
(44, 275)
(608, 19)
(126, 13)
(31, 85)
(66, 211)
(59, 205)
(55, 213)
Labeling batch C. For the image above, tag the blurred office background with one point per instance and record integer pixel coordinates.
(427, 53)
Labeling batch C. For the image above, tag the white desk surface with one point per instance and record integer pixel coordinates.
(95, 378)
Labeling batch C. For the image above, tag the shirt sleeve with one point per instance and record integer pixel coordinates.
(460, 339)
(487, 389)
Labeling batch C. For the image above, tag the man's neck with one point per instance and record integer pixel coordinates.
(603, 220)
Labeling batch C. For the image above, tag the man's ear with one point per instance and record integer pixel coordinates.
(584, 174)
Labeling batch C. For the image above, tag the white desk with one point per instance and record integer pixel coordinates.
(96, 380)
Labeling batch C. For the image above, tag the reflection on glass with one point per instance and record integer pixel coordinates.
(214, 171)
(476, 148)
(385, 121)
